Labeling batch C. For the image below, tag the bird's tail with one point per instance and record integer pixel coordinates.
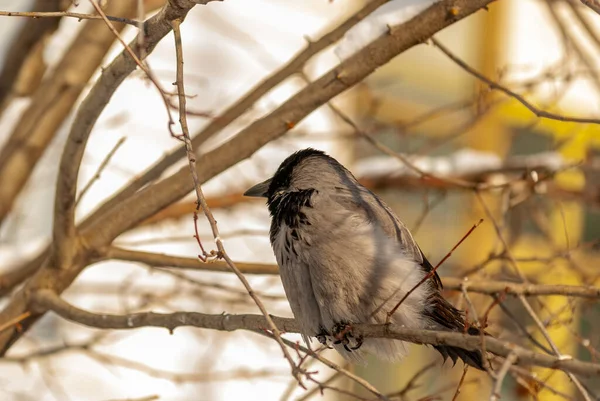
(448, 317)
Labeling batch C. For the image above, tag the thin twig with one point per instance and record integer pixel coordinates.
(15, 321)
(433, 271)
(410, 385)
(460, 383)
(138, 61)
(495, 85)
(101, 168)
(555, 349)
(508, 362)
(202, 201)
(60, 14)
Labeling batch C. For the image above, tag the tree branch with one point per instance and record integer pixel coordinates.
(156, 28)
(30, 35)
(44, 300)
(59, 14)
(149, 200)
(52, 102)
(496, 86)
(489, 287)
(295, 65)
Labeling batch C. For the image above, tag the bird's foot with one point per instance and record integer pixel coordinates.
(324, 338)
(342, 332)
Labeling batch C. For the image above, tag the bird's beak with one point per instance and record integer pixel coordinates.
(259, 190)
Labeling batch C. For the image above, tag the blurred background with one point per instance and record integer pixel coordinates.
(421, 105)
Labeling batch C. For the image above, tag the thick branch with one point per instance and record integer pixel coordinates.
(151, 199)
(155, 29)
(48, 277)
(295, 65)
(47, 300)
(31, 33)
(52, 102)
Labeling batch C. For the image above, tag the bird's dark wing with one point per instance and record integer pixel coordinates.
(358, 199)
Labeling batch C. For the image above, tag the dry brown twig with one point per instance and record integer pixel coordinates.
(433, 271)
(489, 287)
(60, 14)
(229, 115)
(330, 364)
(100, 169)
(508, 362)
(460, 382)
(138, 61)
(296, 371)
(496, 86)
(524, 301)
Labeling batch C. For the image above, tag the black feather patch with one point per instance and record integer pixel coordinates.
(285, 209)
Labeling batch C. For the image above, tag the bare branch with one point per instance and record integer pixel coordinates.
(201, 202)
(162, 260)
(242, 105)
(60, 14)
(489, 287)
(30, 36)
(593, 4)
(101, 168)
(47, 300)
(496, 86)
(508, 362)
(51, 103)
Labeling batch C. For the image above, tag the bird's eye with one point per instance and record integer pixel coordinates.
(280, 192)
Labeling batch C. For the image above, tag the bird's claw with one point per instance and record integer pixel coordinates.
(322, 338)
(343, 333)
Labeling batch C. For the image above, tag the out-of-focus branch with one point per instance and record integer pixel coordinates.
(496, 86)
(60, 14)
(27, 42)
(490, 287)
(52, 103)
(508, 362)
(155, 197)
(241, 106)
(11, 279)
(162, 260)
(156, 28)
(593, 4)
(480, 174)
(47, 300)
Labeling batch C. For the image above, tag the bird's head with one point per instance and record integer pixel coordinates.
(305, 170)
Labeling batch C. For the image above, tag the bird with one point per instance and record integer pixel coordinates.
(345, 258)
